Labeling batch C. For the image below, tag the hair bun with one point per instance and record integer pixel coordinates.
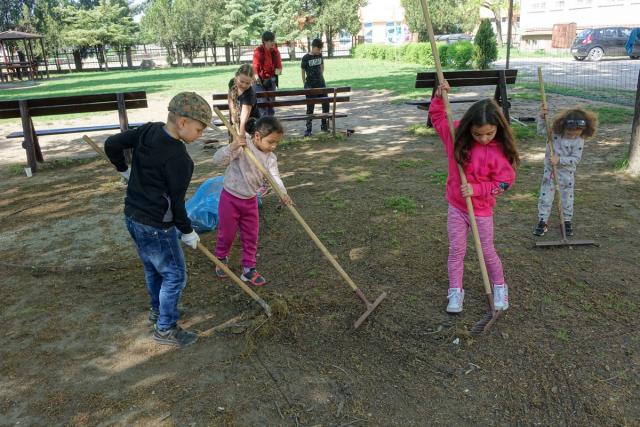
(251, 126)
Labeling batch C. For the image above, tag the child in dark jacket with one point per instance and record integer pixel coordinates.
(154, 209)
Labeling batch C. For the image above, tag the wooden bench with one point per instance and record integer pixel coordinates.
(498, 78)
(286, 98)
(26, 109)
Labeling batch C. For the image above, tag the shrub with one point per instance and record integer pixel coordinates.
(460, 54)
(486, 47)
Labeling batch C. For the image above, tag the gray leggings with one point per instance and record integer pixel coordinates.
(566, 180)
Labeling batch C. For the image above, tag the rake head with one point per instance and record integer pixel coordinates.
(370, 306)
(486, 323)
(566, 242)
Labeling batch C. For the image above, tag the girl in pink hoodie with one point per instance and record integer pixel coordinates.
(486, 149)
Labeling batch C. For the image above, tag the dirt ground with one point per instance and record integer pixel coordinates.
(76, 348)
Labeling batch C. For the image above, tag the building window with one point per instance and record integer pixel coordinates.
(368, 32)
(582, 3)
(538, 6)
(558, 5)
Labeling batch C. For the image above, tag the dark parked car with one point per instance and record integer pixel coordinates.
(595, 43)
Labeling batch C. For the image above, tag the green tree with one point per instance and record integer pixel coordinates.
(157, 26)
(486, 50)
(212, 31)
(109, 24)
(240, 22)
(447, 16)
(336, 15)
(188, 23)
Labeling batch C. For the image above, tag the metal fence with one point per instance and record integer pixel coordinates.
(611, 79)
(64, 61)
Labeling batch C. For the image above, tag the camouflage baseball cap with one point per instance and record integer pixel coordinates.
(192, 105)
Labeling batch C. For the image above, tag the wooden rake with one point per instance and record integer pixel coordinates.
(202, 248)
(564, 241)
(369, 305)
(492, 315)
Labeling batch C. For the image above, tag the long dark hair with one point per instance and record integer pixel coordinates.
(485, 112)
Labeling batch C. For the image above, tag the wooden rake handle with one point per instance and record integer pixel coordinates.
(235, 278)
(292, 209)
(203, 249)
(452, 130)
(547, 126)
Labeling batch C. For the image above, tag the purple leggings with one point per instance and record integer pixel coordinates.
(458, 227)
(235, 213)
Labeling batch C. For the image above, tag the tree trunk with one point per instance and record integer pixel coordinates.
(227, 53)
(77, 59)
(206, 62)
(214, 49)
(58, 61)
(104, 57)
(127, 51)
(634, 148)
(179, 56)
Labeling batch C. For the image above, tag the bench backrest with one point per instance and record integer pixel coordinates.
(73, 104)
(466, 78)
(292, 97)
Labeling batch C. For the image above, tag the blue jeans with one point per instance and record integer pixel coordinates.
(164, 268)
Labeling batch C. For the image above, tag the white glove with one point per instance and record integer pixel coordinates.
(191, 239)
(126, 174)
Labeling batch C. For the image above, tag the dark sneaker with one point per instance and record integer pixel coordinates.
(568, 228)
(155, 314)
(541, 229)
(220, 272)
(307, 132)
(253, 277)
(175, 336)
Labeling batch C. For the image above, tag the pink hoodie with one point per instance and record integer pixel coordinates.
(488, 171)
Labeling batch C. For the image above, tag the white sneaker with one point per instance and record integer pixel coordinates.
(456, 298)
(501, 297)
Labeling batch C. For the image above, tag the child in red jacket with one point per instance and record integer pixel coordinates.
(485, 147)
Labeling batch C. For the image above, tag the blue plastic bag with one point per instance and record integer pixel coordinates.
(202, 207)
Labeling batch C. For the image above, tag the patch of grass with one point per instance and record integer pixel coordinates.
(400, 204)
(622, 164)
(624, 97)
(15, 169)
(421, 130)
(562, 334)
(360, 176)
(335, 203)
(439, 178)
(408, 164)
(613, 115)
(524, 132)
(529, 96)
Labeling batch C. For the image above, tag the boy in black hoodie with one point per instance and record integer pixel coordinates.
(154, 209)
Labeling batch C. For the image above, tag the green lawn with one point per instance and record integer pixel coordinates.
(357, 73)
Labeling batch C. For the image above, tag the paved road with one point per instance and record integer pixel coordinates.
(610, 73)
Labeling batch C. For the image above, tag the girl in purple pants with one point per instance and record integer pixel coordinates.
(238, 208)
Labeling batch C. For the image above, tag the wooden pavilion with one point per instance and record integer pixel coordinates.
(12, 67)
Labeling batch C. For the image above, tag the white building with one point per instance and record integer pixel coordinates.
(383, 22)
(537, 17)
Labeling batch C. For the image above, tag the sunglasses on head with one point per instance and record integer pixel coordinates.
(575, 123)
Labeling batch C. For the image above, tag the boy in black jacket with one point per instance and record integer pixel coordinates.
(154, 209)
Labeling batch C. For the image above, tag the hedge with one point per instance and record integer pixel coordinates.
(457, 55)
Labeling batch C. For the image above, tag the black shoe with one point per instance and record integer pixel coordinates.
(307, 133)
(174, 336)
(568, 228)
(155, 314)
(541, 229)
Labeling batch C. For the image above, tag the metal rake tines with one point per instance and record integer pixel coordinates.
(486, 323)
